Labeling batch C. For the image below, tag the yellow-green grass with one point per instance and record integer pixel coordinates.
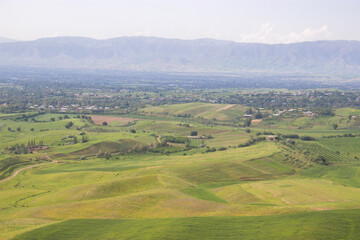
(55, 131)
(229, 138)
(174, 128)
(320, 194)
(155, 186)
(48, 117)
(92, 183)
(319, 225)
(255, 180)
(346, 175)
(345, 112)
(222, 136)
(222, 112)
(8, 165)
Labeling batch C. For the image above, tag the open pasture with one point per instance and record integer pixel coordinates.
(315, 225)
(99, 120)
(220, 112)
(194, 188)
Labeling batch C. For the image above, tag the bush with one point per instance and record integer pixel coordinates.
(173, 139)
(211, 149)
(104, 123)
(132, 130)
(290, 136)
(307, 138)
(222, 148)
(321, 160)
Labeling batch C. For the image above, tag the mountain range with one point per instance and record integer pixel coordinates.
(6, 40)
(200, 55)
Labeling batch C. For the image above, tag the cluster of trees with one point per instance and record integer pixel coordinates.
(174, 139)
(252, 141)
(18, 149)
(32, 143)
(302, 153)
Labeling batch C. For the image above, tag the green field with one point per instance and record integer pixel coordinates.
(315, 225)
(229, 182)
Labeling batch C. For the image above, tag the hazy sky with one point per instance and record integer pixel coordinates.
(269, 21)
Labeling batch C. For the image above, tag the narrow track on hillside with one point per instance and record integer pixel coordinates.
(225, 108)
(22, 169)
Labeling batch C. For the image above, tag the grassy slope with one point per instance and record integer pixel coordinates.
(315, 225)
(221, 112)
(244, 181)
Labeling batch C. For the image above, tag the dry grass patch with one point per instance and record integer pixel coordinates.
(98, 120)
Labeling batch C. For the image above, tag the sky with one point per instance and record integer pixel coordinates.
(264, 21)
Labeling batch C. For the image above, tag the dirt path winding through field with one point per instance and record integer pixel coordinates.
(22, 169)
(226, 107)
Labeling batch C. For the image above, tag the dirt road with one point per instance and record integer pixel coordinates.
(22, 169)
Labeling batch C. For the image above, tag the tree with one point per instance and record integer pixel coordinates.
(258, 115)
(193, 133)
(247, 122)
(32, 129)
(132, 130)
(321, 160)
(249, 111)
(104, 123)
(335, 126)
(84, 139)
(18, 129)
(326, 112)
(69, 124)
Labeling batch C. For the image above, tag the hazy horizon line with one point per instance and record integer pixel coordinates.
(168, 38)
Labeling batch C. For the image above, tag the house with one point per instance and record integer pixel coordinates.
(37, 148)
(309, 114)
(354, 117)
(247, 115)
(271, 138)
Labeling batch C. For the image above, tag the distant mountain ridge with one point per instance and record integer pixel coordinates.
(6, 40)
(200, 55)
